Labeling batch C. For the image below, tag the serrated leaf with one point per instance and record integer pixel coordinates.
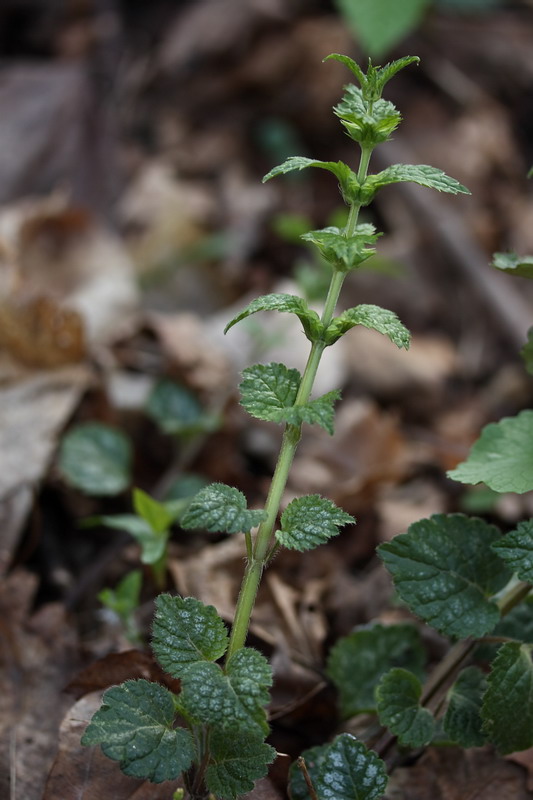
(462, 721)
(507, 709)
(310, 521)
(268, 391)
(398, 701)
(357, 661)
(342, 171)
(374, 317)
(344, 253)
(96, 458)
(221, 509)
(502, 457)
(446, 572)
(135, 726)
(423, 175)
(234, 697)
(366, 123)
(185, 632)
(238, 759)
(176, 409)
(527, 352)
(379, 26)
(283, 302)
(157, 515)
(152, 544)
(521, 266)
(352, 65)
(516, 549)
(347, 770)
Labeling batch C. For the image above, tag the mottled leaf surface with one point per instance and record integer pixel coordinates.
(462, 721)
(507, 709)
(398, 700)
(502, 457)
(220, 509)
(238, 759)
(135, 727)
(185, 632)
(283, 302)
(516, 549)
(310, 521)
(374, 317)
(446, 571)
(96, 459)
(235, 697)
(350, 771)
(356, 663)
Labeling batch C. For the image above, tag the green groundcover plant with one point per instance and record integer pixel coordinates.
(453, 572)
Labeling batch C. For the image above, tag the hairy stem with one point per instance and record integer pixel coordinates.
(262, 547)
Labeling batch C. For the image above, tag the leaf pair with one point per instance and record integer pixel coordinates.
(136, 724)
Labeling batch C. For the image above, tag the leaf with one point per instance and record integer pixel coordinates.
(341, 170)
(238, 759)
(186, 632)
(356, 663)
(157, 515)
(445, 570)
(124, 599)
(320, 411)
(344, 253)
(135, 727)
(233, 698)
(462, 721)
(431, 177)
(342, 770)
(381, 24)
(152, 544)
(96, 459)
(527, 352)
(352, 65)
(507, 709)
(502, 457)
(522, 266)
(310, 521)
(313, 758)
(221, 509)
(175, 409)
(283, 302)
(374, 317)
(398, 700)
(516, 549)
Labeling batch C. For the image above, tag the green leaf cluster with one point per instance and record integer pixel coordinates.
(154, 733)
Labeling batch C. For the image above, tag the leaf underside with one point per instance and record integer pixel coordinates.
(373, 317)
(502, 457)
(284, 303)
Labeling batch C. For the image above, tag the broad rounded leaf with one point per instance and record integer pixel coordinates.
(220, 509)
(422, 174)
(186, 631)
(283, 302)
(238, 759)
(235, 697)
(350, 771)
(445, 570)
(462, 721)
(374, 317)
(513, 264)
(357, 661)
(135, 726)
(398, 700)
(175, 408)
(310, 521)
(507, 709)
(502, 457)
(516, 549)
(96, 459)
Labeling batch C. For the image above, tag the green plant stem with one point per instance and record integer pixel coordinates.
(262, 547)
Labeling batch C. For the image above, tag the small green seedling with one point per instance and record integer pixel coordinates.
(213, 732)
(123, 601)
